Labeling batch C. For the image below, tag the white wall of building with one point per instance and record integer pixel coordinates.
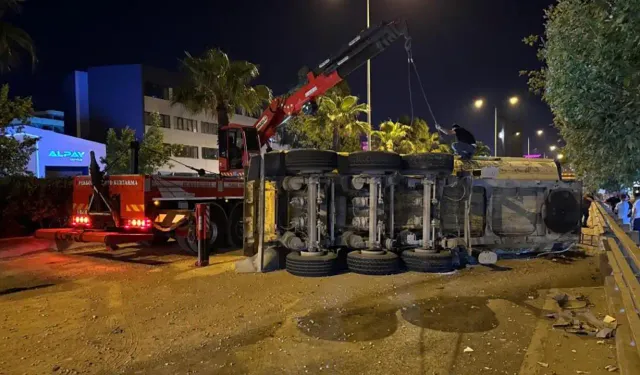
(189, 138)
(57, 154)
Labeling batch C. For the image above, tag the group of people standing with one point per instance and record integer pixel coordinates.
(627, 212)
(620, 204)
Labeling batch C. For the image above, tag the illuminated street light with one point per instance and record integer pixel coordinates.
(517, 134)
(501, 135)
(552, 148)
(479, 103)
(540, 132)
(560, 156)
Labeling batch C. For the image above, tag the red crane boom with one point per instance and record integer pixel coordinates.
(302, 99)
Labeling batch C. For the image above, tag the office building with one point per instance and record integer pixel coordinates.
(122, 96)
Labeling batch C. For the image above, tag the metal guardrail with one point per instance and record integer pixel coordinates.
(624, 258)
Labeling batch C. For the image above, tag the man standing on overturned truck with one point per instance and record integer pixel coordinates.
(465, 145)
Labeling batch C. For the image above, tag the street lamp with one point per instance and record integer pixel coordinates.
(538, 133)
(560, 156)
(479, 103)
(552, 148)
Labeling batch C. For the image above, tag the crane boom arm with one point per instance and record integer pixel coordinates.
(367, 45)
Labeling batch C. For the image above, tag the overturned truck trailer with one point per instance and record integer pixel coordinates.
(379, 212)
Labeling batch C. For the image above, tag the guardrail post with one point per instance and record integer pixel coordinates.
(634, 235)
(202, 232)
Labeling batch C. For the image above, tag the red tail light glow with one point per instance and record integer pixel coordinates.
(138, 224)
(81, 221)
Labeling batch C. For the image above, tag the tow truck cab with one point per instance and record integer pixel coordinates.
(237, 145)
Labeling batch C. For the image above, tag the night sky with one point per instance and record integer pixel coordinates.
(463, 48)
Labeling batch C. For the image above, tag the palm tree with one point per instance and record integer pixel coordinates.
(392, 136)
(13, 40)
(341, 114)
(218, 87)
(423, 140)
(482, 149)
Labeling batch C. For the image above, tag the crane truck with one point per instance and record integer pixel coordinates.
(117, 209)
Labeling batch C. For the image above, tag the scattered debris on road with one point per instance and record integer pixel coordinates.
(611, 368)
(468, 350)
(575, 317)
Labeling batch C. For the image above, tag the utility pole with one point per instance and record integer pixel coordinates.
(369, 83)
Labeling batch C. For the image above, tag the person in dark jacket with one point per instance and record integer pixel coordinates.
(613, 201)
(465, 144)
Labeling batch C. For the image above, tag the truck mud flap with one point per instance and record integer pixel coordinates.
(64, 237)
(169, 221)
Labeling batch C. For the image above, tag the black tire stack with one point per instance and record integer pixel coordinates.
(384, 263)
(437, 262)
(311, 265)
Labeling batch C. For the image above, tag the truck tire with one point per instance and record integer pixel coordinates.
(188, 240)
(374, 161)
(561, 211)
(311, 266)
(235, 226)
(386, 263)
(428, 162)
(428, 262)
(274, 164)
(310, 160)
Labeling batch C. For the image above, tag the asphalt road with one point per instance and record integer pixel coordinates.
(150, 311)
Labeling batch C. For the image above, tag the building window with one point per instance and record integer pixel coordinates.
(157, 91)
(208, 127)
(209, 153)
(186, 124)
(190, 152)
(165, 120)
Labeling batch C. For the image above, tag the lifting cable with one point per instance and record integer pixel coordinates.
(411, 63)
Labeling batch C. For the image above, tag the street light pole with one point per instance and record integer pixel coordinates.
(369, 84)
(495, 133)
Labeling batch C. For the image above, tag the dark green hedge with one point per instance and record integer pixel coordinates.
(29, 203)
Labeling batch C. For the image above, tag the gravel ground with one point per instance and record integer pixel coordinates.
(149, 311)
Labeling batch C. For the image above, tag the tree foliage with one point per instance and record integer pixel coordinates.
(28, 203)
(154, 153)
(482, 149)
(335, 126)
(421, 138)
(14, 41)
(392, 136)
(591, 81)
(15, 149)
(219, 87)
